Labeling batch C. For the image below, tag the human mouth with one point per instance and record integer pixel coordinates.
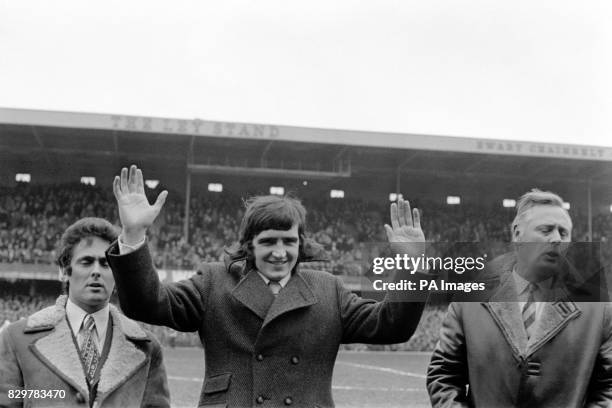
(552, 255)
(277, 262)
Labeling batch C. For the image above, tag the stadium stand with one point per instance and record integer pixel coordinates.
(58, 147)
(33, 217)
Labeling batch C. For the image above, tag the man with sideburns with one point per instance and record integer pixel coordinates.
(270, 328)
(82, 351)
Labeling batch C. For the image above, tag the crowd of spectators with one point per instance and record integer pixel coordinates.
(33, 217)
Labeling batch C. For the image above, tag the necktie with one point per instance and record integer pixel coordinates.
(275, 287)
(529, 310)
(89, 351)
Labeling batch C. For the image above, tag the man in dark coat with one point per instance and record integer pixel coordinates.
(82, 351)
(270, 329)
(529, 344)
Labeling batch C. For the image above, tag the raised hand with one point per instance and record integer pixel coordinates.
(405, 233)
(135, 212)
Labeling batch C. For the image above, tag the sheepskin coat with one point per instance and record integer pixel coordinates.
(38, 353)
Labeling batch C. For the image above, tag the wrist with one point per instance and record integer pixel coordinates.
(133, 237)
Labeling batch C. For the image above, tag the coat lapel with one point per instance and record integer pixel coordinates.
(253, 293)
(124, 358)
(504, 308)
(295, 295)
(554, 317)
(57, 350)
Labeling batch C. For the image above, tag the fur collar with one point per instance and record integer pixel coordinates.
(504, 308)
(49, 317)
(57, 350)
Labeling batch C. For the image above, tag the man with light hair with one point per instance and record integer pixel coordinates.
(528, 343)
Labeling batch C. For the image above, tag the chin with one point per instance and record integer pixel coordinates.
(276, 275)
(97, 300)
(547, 271)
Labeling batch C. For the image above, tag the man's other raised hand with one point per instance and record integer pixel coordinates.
(405, 233)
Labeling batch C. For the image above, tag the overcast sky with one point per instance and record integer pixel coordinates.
(520, 69)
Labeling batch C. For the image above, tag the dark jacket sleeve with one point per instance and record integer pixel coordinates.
(156, 392)
(600, 391)
(10, 372)
(447, 375)
(392, 320)
(143, 297)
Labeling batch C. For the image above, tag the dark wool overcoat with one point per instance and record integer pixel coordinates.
(261, 350)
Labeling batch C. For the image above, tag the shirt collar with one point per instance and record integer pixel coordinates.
(282, 282)
(522, 284)
(76, 315)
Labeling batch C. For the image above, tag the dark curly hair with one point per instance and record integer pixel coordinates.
(83, 228)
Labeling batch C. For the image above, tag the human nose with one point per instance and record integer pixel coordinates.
(554, 236)
(96, 269)
(279, 253)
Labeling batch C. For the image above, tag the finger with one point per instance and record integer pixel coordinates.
(132, 179)
(400, 212)
(161, 199)
(389, 232)
(116, 187)
(417, 218)
(139, 182)
(124, 180)
(408, 213)
(394, 218)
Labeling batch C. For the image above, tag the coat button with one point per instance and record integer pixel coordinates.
(259, 357)
(79, 398)
(295, 360)
(288, 401)
(259, 400)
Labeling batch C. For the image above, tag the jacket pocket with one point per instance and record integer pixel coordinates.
(215, 390)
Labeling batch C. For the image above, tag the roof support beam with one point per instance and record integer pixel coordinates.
(264, 153)
(41, 145)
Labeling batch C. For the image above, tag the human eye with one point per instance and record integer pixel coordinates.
(266, 241)
(545, 229)
(86, 261)
(290, 241)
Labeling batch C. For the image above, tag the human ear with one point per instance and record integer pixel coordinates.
(63, 276)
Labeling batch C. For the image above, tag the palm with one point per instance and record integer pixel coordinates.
(405, 233)
(135, 211)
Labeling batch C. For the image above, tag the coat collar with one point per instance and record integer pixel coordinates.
(253, 293)
(58, 352)
(505, 310)
(503, 306)
(295, 295)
